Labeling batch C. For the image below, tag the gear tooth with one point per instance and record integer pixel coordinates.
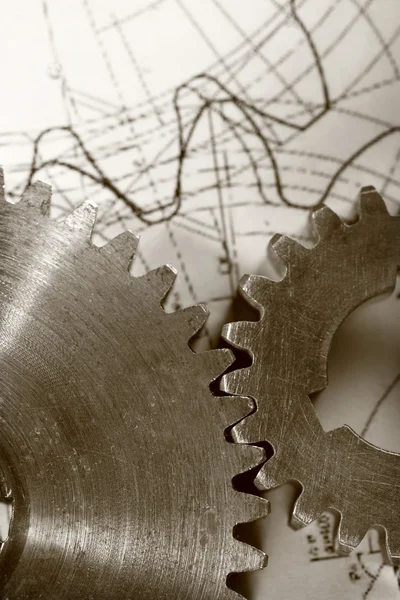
(194, 317)
(270, 475)
(244, 557)
(38, 197)
(306, 509)
(246, 281)
(234, 382)
(228, 383)
(217, 361)
(2, 191)
(238, 333)
(254, 289)
(248, 431)
(235, 408)
(371, 202)
(257, 456)
(249, 457)
(287, 249)
(82, 219)
(122, 248)
(161, 279)
(229, 594)
(326, 221)
(350, 535)
(260, 481)
(249, 507)
(390, 545)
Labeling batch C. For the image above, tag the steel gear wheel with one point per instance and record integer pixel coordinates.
(112, 446)
(289, 347)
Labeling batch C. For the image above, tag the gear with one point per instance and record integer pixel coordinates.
(112, 446)
(289, 347)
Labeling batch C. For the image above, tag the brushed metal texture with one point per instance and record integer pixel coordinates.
(289, 346)
(112, 446)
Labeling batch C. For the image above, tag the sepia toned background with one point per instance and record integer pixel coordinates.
(206, 127)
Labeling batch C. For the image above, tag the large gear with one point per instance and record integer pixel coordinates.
(112, 446)
(289, 347)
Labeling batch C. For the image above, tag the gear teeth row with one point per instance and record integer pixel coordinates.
(161, 279)
(244, 557)
(122, 248)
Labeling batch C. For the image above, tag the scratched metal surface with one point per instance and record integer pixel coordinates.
(112, 446)
(289, 346)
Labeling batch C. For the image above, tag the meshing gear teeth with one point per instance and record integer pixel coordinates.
(112, 446)
(289, 346)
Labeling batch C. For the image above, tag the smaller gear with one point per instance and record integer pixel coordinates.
(289, 347)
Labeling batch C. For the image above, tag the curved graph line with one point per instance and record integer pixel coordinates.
(221, 98)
